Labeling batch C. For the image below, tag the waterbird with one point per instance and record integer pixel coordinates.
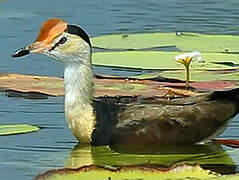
(126, 122)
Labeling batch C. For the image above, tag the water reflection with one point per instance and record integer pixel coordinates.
(211, 156)
(29, 95)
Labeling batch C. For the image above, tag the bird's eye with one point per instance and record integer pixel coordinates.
(62, 40)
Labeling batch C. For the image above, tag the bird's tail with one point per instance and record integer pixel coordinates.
(232, 94)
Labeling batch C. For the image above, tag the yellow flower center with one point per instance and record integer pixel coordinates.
(186, 61)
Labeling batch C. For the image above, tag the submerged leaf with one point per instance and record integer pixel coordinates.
(17, 129)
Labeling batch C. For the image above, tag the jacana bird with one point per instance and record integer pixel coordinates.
(138, 123)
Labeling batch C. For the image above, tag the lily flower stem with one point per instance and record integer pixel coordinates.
(187, 76)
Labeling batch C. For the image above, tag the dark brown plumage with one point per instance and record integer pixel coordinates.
(162, 122)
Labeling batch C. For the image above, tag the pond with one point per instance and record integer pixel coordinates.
(53, 146)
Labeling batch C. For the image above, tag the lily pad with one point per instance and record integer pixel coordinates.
(32, 84)
(134, 41)
(164, 60)
(16, 129)
(208, 43)
(183, 41)
(104, 86)
(201, 75)
(129, 172)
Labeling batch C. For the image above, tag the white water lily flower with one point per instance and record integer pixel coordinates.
(186, 58)
(197, 56)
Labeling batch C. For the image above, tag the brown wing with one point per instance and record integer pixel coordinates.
(181, 122)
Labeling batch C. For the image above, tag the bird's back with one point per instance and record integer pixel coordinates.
(140, 122)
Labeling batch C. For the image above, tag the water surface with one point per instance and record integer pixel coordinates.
(27, 155)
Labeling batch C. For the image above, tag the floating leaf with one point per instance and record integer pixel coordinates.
(164, 60)
(121, 87)
(213, 85)
(228, 177)
(16, 129)
(201, 75)
(209, 81)
(129, 172)
(104, 86)
(134, 41)
(54, 86)
(208, 43)
(184, 41)
(30, 84)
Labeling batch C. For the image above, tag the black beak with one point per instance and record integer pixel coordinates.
(20, 52)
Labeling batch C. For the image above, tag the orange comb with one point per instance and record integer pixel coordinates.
(51, 29)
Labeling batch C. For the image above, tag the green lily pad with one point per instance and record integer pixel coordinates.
(164, 60)
(209, 43)
(227, 177)
(200, 75)
(134, 41)
(10, 129)
(184, 41)
(130, 173)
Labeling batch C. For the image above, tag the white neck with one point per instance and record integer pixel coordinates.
(78, 100)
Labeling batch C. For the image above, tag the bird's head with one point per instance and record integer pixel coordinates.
(64, 42)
